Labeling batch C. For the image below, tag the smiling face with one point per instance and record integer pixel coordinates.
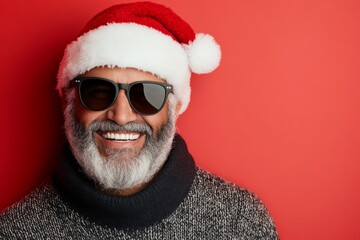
(120, 113)
(118, 147)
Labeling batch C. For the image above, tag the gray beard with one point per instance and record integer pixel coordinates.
(122, 168)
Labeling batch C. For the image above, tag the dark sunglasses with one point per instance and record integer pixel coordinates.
(145, 97)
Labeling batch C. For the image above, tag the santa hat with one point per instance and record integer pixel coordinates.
(146, 36)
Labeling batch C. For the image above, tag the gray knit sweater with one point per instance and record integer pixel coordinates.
(198, 206)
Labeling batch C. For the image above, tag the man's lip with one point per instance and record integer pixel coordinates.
(121, 136)
(104, 143)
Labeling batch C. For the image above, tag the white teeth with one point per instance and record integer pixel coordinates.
(121, 136)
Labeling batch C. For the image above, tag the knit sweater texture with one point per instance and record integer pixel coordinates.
(182, 202)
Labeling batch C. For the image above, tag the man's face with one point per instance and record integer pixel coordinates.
(117, 146)
(120, 113)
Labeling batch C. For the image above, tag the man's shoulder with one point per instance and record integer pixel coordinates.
(218, 186)
(43, 193)
(218, 189)
(213, 193)
(30, 212)
(236, 209)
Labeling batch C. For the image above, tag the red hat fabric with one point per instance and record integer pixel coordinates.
(148, 14)
(146, 36)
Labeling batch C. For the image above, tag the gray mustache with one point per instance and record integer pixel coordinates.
(112, 126)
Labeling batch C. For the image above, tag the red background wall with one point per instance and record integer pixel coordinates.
(281, 116)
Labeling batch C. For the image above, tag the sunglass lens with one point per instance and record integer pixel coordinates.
(147, 98)
(97, 94)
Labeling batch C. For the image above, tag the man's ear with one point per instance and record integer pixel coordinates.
(178, 106)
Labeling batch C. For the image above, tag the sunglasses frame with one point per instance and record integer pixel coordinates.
(118, 86)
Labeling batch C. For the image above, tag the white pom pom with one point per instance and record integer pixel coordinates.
(204, 54)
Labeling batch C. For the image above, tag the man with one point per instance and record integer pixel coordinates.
(127, 174)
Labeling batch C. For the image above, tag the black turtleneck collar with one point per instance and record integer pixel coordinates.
(154, 203)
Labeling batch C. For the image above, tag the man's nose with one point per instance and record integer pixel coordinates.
(121, 111)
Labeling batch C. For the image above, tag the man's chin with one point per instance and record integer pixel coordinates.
(119, 155)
